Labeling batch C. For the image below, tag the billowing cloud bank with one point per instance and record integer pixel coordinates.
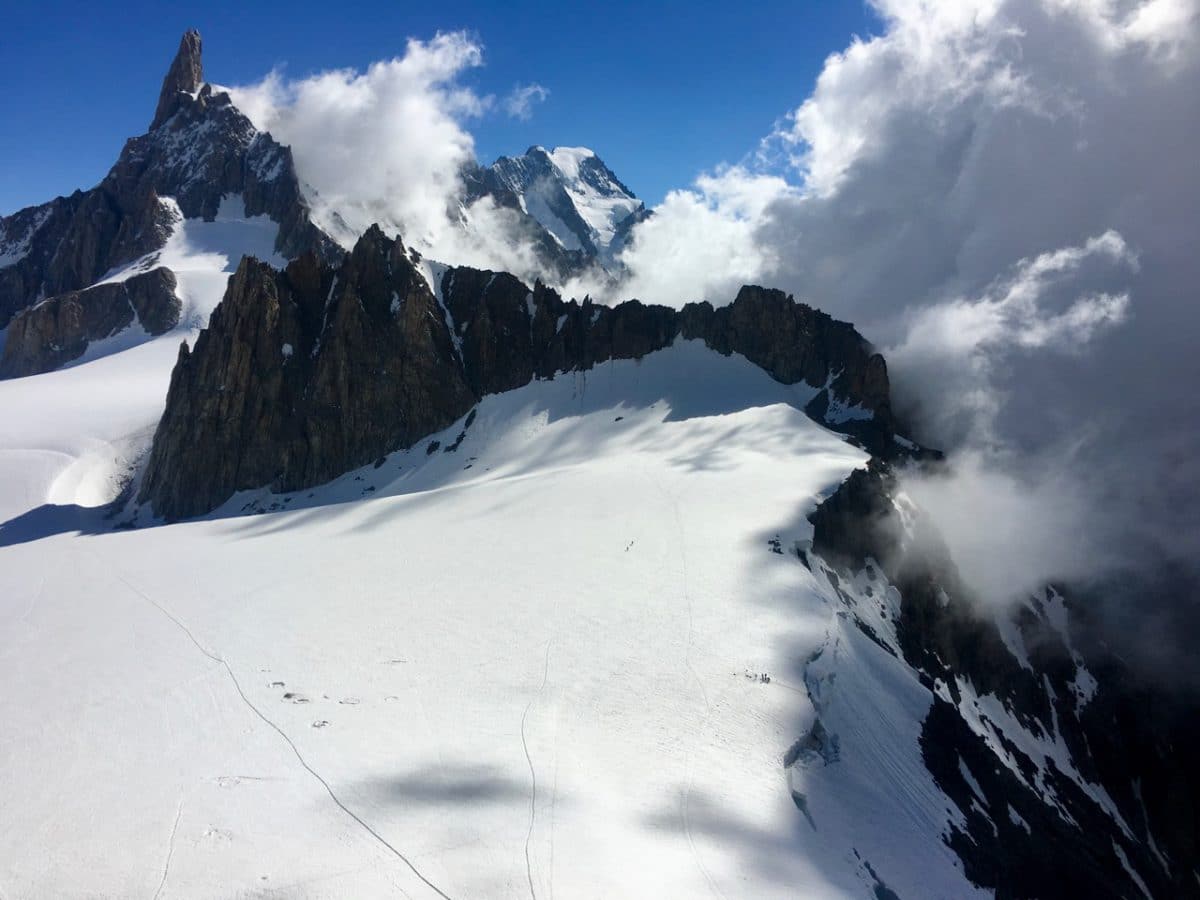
(1002, 194)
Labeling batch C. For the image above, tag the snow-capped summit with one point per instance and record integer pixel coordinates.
(574, 196)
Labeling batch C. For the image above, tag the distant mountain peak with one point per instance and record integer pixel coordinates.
(184, 77)
(574, 196)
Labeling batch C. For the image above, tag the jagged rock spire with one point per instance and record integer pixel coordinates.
(185, 76)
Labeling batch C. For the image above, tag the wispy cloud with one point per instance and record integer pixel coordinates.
(520, 102)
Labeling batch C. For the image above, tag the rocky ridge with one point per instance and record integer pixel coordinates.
(309, 372)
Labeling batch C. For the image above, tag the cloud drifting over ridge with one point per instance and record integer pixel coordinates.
(1002, 195)
(387, 143)
(519, 103)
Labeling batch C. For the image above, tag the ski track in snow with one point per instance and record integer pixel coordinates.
(170, 850)
(303, 762)
(687, 661)
(533, 772)
(33, 601)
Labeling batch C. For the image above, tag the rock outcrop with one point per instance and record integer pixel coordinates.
(58, 330)
(1132, 803)
(307, 373)
(69, 243)
(184, 77)
(200, 149)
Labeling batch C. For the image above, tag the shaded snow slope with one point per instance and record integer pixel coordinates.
(522, 659)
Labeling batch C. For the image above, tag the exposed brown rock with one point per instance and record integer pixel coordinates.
(58, 330)
(302, 374)
(375, 363)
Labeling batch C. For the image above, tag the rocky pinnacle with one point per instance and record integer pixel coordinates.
(185, 76)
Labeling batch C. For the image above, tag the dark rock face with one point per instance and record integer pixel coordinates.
(58, 330)
(303, 374)
(307, 373)
(71, 242)
(206, 150)
(793, 343)
(200, 149)
(184, 77)
(511, 334)
(1130, 740)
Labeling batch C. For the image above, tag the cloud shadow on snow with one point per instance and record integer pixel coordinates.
(446, 784)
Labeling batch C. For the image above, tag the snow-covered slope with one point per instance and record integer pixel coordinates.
(529, 662)
(574, 196)
(585, 641)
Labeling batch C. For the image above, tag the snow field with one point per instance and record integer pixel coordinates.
(579, 608)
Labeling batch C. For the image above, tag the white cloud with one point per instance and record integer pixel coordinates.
(1167, 28)
(388, 146)
(701, 244)
(520, 102)
(1001, 194)
(383, 145)
(1008, 534)
(933, 57)
(950, 352)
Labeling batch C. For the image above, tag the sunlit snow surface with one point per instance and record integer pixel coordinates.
(204, 254)
(529, 667)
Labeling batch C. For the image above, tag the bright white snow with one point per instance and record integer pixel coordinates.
(519, 668)
(71, 436)
(534, 203)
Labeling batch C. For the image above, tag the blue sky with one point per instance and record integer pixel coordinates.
(661, 91)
